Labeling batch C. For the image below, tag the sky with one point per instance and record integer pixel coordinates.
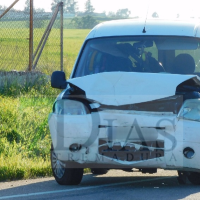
(141, 8)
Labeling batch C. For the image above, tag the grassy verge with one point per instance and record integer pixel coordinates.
(18, 167)
(24, 134)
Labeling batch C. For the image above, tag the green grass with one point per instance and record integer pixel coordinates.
(19, 167)
(24, 134)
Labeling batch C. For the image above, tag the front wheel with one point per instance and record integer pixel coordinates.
(62, 174)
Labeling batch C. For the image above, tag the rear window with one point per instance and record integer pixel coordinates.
(177, 55)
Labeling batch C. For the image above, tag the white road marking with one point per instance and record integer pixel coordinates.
(82, 188)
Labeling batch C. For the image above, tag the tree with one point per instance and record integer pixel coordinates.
(155, 15)
(55, 2)
(111, 14)
(40, 10)
(69, 6)
(123, 13)
(38, 20)
(87, 22)
(3, 7)
(72, 6)
(27, 6)
(89, 7)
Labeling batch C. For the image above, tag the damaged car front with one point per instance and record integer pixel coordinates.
(131, 102)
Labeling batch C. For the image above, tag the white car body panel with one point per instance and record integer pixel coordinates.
(135, 27)
(114, 89)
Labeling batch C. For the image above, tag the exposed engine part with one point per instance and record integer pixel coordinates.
(99, 171)
(170, 104)
(148, 170)
(128, 169)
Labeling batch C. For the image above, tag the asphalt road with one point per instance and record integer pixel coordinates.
(114, 185)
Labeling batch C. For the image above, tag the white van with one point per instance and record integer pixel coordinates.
(132, 101)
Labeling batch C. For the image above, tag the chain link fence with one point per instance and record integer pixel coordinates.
(15, 40)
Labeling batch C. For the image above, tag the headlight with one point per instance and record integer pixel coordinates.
(190, 110)
(69, 107)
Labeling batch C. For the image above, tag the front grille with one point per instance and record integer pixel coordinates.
(130, 152)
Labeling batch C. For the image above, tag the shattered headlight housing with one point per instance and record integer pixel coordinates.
(69, 107)
(190, 110)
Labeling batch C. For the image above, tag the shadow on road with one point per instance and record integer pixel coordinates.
(99, 187)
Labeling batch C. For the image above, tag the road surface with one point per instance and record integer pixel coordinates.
(115, 185)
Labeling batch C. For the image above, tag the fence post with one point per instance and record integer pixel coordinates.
(31, 37)
(8, 8)
(61, 36)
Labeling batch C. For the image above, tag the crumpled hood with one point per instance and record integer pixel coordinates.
(121, 88)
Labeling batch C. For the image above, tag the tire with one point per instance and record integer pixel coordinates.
(99, 171)
(194, 178)
(64, 175)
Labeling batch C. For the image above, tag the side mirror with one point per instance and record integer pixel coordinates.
(58, 80)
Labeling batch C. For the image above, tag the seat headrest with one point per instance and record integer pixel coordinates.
(184, 64)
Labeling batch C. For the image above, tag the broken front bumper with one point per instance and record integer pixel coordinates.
(126, 139)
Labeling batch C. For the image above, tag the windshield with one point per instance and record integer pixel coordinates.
(153, 54)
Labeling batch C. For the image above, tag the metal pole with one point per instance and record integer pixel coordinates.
(61, 36)
(8, 8)
(46, 37)
(31, 37)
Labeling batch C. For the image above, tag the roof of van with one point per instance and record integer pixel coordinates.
(130, 27)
